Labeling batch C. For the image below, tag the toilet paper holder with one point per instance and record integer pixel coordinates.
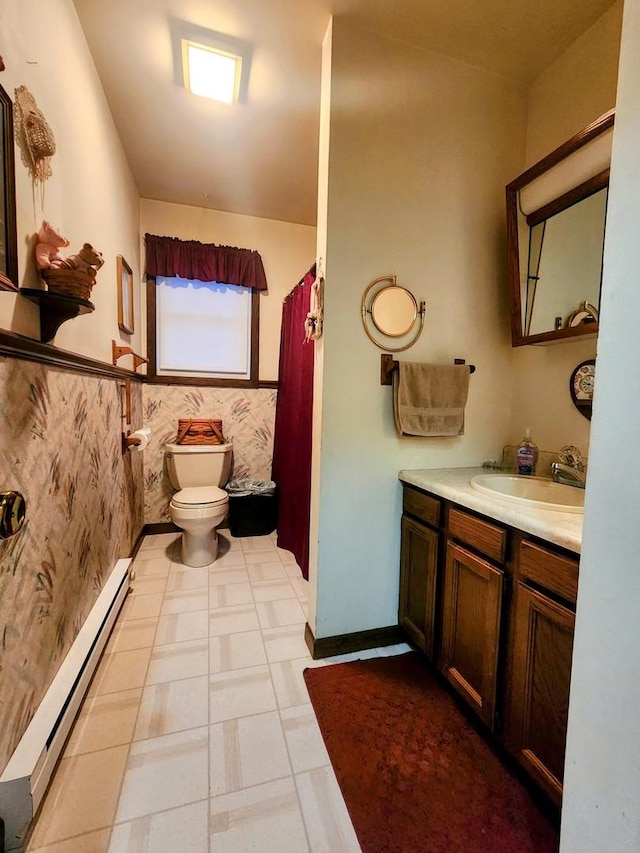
(130, 440)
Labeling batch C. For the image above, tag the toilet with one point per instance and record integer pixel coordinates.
(200, 505)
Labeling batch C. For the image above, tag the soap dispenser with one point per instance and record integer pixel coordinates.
(527, 455)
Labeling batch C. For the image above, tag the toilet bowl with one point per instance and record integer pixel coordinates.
(198, 511)
(200, 505)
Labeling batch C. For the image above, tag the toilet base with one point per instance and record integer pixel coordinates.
(199, 549)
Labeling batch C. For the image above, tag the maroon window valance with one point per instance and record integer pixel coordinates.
(169, 256)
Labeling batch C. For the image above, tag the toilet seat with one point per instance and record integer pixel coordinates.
(200, 496)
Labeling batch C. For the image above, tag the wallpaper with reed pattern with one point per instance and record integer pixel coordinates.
(60, 446)
(247, 416)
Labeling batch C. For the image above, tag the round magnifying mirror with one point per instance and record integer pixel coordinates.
(394, 311)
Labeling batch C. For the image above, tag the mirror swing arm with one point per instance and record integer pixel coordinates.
(516, 218)
(409, 319)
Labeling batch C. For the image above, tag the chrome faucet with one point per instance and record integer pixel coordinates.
(569, 470)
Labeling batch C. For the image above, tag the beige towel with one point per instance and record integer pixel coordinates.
(429, 399)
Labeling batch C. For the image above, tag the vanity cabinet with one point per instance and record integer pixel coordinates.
(494, 609)
(537, 702)
(418, 569)
(471, 611)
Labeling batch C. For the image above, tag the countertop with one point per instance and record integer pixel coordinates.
(560, 528)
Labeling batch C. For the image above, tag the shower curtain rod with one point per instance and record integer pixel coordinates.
(310, 271)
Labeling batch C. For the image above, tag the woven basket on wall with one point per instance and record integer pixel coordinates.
(68, 282)
(200, 431)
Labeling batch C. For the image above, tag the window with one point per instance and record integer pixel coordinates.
(203, 333)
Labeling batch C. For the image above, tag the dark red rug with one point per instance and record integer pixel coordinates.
(415, 774)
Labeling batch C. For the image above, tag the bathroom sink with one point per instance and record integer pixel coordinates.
(536, 492)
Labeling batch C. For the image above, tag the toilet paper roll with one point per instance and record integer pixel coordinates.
(141, 438)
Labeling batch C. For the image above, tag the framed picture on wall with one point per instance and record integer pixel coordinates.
(125, 295)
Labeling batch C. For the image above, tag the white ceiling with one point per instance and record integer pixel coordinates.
(260, 158)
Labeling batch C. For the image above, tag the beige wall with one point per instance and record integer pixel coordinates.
(576, 89)
(570, 94)
(287, 251)
(91, 196)
(419, 151)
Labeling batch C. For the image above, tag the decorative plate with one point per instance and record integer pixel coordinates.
(581, 386)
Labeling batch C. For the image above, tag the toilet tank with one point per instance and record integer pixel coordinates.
(198, 464)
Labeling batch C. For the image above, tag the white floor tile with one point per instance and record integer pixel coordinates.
(230, 595)
(173, 706)
(325, 815)
(120, 671)
(178, 660)
(255, 544)
(246, 752)
(265, 818)
(236, 651)
(304, 741)
(288, 680)
(231, 575)
(164, 773)
(285, 643)
(141, 606)
(266, 571)
(192, 579)
(183, 829)
(280, 613)
(273, 589)
(132, 634)
(91, 842)
(391, 651)
(180, 627)
(231, 620)
(151, 564)
(365, 654)
(185, 601)
(104, 721)
(241, 693)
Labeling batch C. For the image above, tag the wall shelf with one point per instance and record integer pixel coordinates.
(55, 309)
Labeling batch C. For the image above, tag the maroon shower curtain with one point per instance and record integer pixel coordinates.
(292, 439)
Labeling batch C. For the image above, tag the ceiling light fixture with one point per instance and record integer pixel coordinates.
(211, 72)
(211, 64)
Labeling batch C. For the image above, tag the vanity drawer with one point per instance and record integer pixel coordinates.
(421, 506)
(481, 535)
(552, 571)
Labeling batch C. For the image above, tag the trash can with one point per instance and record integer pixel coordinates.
(253, 507)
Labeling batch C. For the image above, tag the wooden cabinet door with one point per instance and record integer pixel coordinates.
(540, 679)
(472, 606)
(418, 565)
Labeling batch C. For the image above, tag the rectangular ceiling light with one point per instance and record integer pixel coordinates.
(211, 72)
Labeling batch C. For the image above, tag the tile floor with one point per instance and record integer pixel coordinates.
(197, 733)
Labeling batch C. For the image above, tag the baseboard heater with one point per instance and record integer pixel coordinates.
(24, 781)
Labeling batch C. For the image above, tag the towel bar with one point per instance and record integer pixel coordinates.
(388, 364)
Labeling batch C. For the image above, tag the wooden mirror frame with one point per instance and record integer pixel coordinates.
(7, 165)
(588, 134)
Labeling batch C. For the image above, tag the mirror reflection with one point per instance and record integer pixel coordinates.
(556, 216)
(393, 311)
(564, 265)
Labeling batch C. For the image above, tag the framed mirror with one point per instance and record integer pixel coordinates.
(391, 311)
(394, 311)
(8, 237)
(556, 214)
